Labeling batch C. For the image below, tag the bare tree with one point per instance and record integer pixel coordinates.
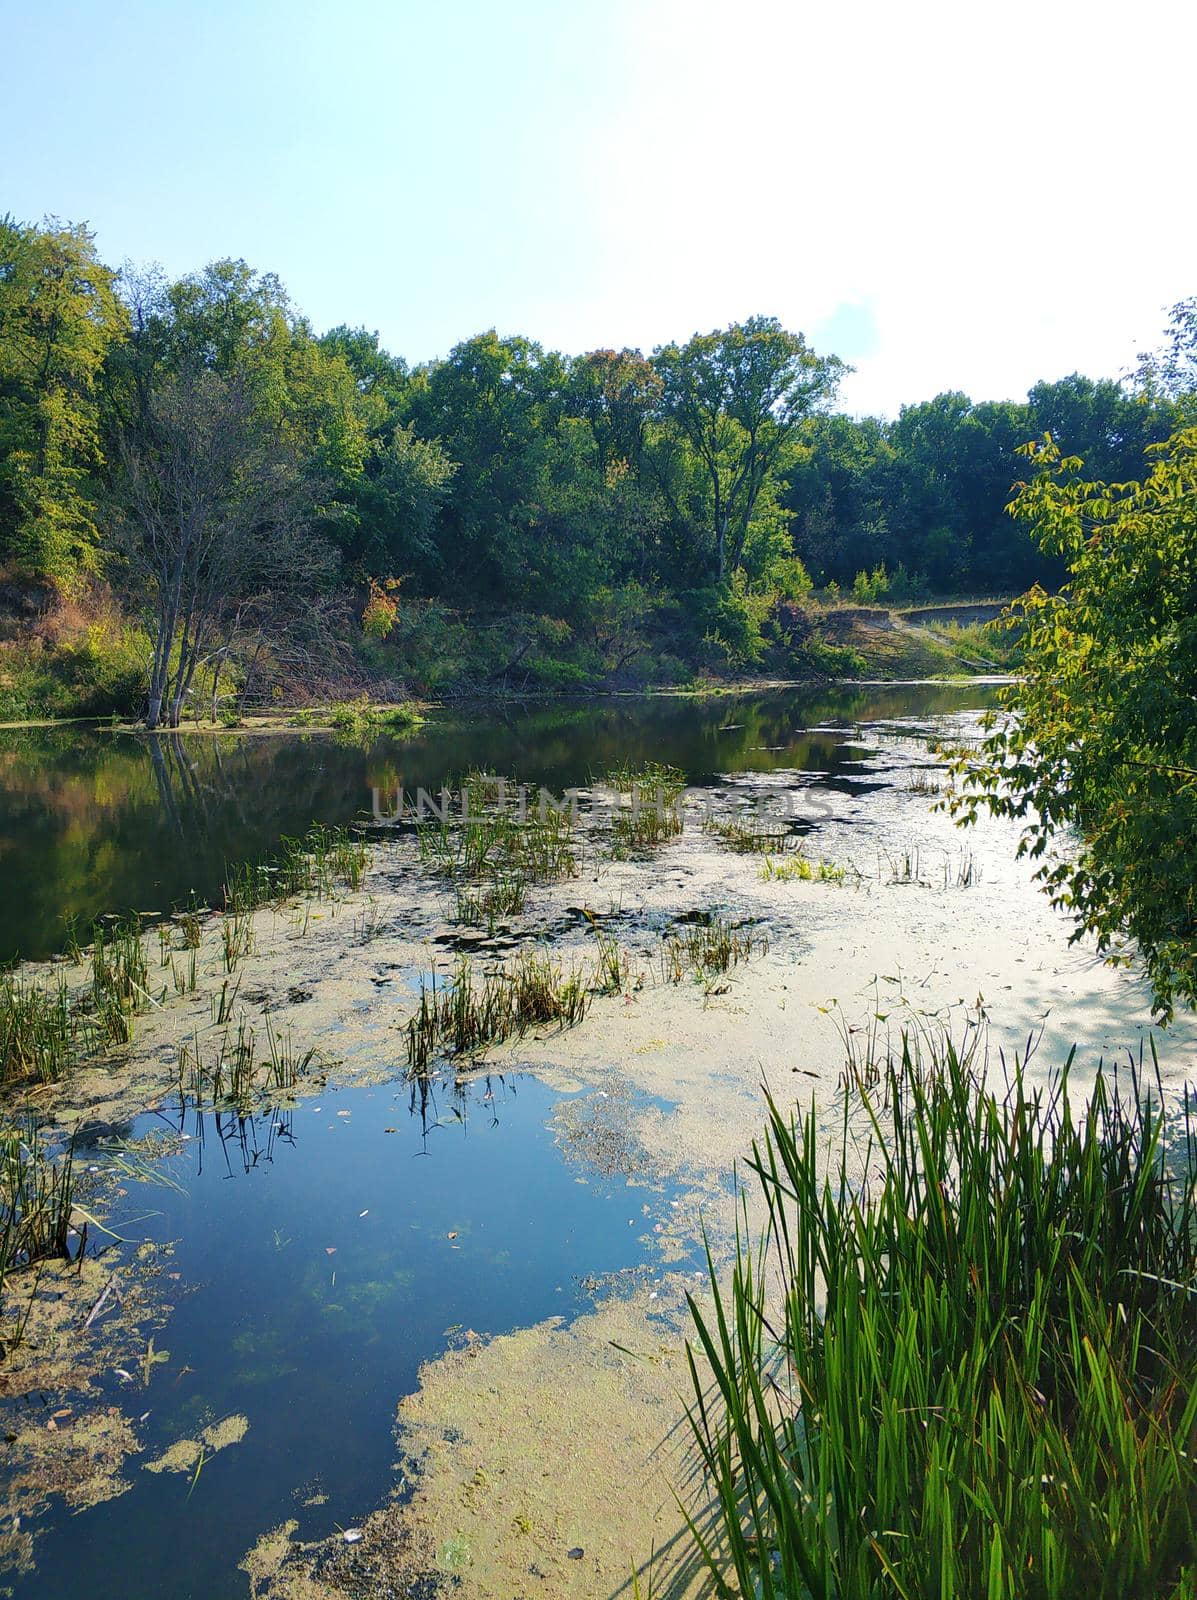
(216, 526)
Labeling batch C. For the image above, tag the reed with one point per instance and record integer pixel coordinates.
(236, 938)
(40, 1036)
(222, 1003)
(644, 825)
(369, 925)
(468, 1013)
(611, 967)
(653, 814)
(485, 905)
(494, 843)
(36, 1190)
(237, 1073)
(119, 978)
(319, 863)
(649, 779)
(907, 866)
(186, 978)
(750, 835)
(962, 873)
(708, 948)
(963, 1360)
(904, 866)
(921, 781)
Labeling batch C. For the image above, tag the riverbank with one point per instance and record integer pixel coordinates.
(507, 1462)
(64, 658)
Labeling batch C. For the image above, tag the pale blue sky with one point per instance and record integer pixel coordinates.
(950, 194)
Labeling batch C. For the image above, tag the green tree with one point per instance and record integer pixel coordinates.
(230, 320)
(1097, 755)
(382, 379)
(613, 392)
(837, 490)
(737, 396)
(59, 316)
(494, 404)
(399, 502)
(1170, 373)
(1102, 422)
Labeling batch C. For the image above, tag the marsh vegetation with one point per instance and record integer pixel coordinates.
(987, 1289)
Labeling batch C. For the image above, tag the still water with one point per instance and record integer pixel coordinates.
(324, 1251)
(97, 821)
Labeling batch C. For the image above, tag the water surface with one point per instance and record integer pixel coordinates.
(325, 1251)
(95, 821)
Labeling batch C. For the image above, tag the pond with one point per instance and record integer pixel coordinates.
(99, 821)
(315, 1255)
(323, 1253)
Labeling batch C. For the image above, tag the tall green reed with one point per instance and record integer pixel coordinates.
(495, 841)
(40, 1035)
(36, 1197)
(963, 1362)
(324, 859)
(469, 1013)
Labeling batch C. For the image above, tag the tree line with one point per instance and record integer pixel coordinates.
(253, 488)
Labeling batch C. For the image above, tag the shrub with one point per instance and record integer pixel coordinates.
(100, 670)
(869, 587)
(728, 620)
(555, 674)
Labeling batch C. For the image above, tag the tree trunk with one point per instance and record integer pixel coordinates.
(216, 684)
(721, 539)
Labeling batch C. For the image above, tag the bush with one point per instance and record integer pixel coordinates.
(833, 660)
(870, 587)
(102, 670)
(553, 674)
(360, 716)
(728, 620)
(789, 580)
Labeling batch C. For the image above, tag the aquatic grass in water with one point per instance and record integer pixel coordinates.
(964, 1359)
(119, 978)
(748, 835)
(496, 847)
(466, 1015)
(44, 1033)
(648, 779)
(36, 1190)
(236, 1073)
(801, 869)
(611, 968)
(223, 1003)
(907, 866)
(316, 864)
(923, 782)
(540, 847)
(486, 904)
(40, 1037)
(708, 948)
(236, 939)
(653, 814)
(644, 825)
(185, 979)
